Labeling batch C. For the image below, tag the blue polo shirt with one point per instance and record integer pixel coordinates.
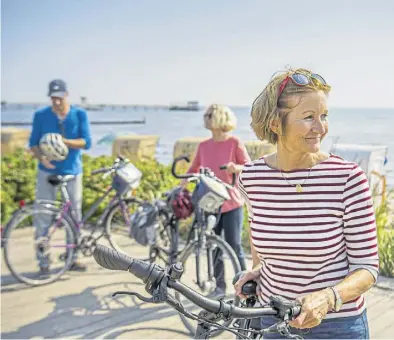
(75, 125)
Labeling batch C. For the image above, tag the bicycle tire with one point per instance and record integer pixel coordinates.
(226, 249)
(127, 240)
(160, 253)
(28, 211)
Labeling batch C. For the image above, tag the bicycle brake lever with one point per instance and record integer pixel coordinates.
(139, 296)
(283, 329)
(272, 329)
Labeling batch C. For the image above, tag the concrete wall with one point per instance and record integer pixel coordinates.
(188, 146)
(13, 138)
(135, 147)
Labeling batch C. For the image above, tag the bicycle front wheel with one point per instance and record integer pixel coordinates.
(117, 228)
(39, 244)
(198, 263)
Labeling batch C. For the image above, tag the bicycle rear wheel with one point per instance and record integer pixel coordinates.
(55, 245)
(195, 261)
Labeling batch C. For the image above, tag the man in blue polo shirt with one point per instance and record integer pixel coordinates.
(72, 123)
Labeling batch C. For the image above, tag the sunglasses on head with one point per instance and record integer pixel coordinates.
(208, 115)
(300, 79)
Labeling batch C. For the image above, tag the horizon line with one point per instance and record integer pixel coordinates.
(5, 103)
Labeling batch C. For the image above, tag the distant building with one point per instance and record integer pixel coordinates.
(189, 106)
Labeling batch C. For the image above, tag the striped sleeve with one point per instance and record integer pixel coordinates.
(244, 194)
(359, 224)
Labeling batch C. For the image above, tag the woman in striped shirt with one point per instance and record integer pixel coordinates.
(312, 224)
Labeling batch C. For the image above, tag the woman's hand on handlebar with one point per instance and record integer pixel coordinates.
(232, 168)
(251, 275)
(314, 308)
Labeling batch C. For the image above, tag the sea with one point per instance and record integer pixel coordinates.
(346, 125)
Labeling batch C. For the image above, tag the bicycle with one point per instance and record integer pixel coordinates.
(157, 281)
(208, 196)
(62, 224)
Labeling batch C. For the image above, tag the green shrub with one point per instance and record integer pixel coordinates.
(385, 231)
(19, 172)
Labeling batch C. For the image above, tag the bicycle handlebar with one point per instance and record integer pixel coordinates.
(100, 171)
(111, 259)
(175, 162)
(186, 176)
(122, 158)
(224, 167)
(104, 170)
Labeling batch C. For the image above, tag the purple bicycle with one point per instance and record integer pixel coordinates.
(61, 235)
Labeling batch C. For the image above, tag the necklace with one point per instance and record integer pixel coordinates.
(298, 186)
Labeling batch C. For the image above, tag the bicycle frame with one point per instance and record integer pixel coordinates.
(197, 234)
(68, 209)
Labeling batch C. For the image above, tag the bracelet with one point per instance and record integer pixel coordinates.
(338, 300)
(328, 299)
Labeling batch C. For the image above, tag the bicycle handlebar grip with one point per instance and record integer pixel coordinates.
(111, 259)
(143, 270)
(99, 171)
(122, 158)
(234, 179)
(174, 163)
(234, 176)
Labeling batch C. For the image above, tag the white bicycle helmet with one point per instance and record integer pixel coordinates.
(52, 146)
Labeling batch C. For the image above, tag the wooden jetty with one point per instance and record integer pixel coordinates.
(96, 122)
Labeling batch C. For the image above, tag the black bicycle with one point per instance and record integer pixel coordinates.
(157, 281)
(204, 255)
(64, 233)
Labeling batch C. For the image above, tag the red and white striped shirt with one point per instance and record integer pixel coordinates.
(310, 240)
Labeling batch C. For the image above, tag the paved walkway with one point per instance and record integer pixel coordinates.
(80, 306)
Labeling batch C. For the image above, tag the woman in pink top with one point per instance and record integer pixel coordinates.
(223, 148)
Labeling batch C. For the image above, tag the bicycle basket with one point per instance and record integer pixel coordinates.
(126, 177)
(144, 223)
(209, 195)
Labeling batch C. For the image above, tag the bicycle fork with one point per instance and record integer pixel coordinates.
(210, 283)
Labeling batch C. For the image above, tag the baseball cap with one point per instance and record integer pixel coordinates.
(57, 88)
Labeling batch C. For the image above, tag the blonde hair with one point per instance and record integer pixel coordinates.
(222, 118)
(269, 106)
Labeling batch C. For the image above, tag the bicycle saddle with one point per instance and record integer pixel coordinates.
(58, 179)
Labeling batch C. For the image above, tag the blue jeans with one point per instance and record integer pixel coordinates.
(352, 327)
(231, 223)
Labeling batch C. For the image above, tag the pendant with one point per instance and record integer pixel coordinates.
(298, 188)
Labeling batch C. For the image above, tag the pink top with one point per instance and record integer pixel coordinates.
(212, 154)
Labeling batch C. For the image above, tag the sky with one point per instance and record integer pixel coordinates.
(223, 51)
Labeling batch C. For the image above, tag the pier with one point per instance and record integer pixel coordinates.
(97, 122)
(89, 107)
